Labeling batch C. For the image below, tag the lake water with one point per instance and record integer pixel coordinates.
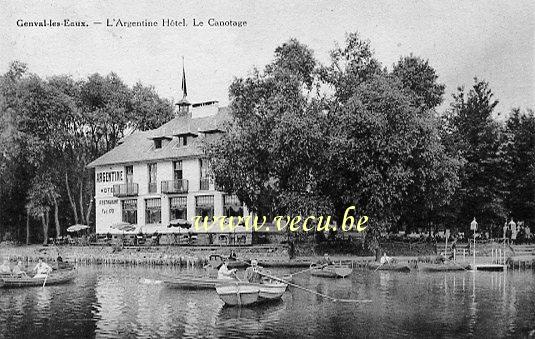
(115, 301)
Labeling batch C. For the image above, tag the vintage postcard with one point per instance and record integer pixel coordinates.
(267, 169)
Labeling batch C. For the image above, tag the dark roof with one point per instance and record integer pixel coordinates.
(139, 146)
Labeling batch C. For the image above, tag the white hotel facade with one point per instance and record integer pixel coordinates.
(156, 176)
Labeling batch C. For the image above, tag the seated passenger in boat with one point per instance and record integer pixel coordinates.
(62, 265)
(42, 269)
(17, 270)
(4, 268)
(325, 260)
(224, 272)
(251, 273)
(385, 259)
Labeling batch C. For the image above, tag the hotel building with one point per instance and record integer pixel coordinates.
(155, 176)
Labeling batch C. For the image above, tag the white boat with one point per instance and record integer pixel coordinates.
(245, 293)
(238, 293)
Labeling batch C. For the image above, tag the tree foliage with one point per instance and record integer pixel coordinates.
(50, 129)
(292, 151)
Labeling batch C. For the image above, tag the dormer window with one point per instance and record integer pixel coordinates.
(160, 142)
(182, 140)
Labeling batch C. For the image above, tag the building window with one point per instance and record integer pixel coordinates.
(153, 211)
(177, 169)
(129, 170)
(152, 178)
(179, 208)
(157, 143)
(204, 165)
(204, 206)
(182, 141)
(232, 206)
(205, 172)
(129, 211)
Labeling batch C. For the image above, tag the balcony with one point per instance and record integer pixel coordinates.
(174, 186)
(204, 184)
(125, 190)
(153, 187)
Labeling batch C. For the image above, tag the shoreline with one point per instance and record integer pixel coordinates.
(268, 256)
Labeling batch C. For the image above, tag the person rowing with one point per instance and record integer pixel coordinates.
(224, 273)
(42, 269)
(325, 261)
(385, 259)
(252, 272)
(18, 271)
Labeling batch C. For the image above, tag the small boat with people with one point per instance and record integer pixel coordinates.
(330, 271)
(40, 280)
(391, 266)
(258, 286)
(242, 293)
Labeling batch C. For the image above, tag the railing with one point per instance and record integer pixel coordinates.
(175, 186)
(125, 190)
(204, 184)
(153, 187)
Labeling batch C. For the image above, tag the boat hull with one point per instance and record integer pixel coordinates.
(389, 267)
(193, 282)
(271, 291)
(238, 293)
(332, 271)
(440, 268)
(53, 279)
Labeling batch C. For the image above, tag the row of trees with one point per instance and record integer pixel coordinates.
(307, 138)
(304, 138)
(50, 129)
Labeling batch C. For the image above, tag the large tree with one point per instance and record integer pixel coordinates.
(472, 132)
(519, 153)
(270, 151)
(293, 148)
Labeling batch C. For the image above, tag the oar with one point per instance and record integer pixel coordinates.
(44, 282)
(378, 267)
(317, 293)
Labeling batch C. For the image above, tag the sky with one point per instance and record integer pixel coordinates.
(493, 40)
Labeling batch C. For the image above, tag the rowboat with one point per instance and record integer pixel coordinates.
(397, 267)
(238, 293)
(241, 293)
(331, 271)
(52, 279)
(440, 267)
(193, 282)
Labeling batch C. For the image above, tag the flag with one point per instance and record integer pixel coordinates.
(184, 88)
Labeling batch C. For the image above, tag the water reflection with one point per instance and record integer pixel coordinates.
(249, 321)
(116, 301)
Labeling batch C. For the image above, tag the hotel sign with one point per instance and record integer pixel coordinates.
(104, 181)
(111, 176)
